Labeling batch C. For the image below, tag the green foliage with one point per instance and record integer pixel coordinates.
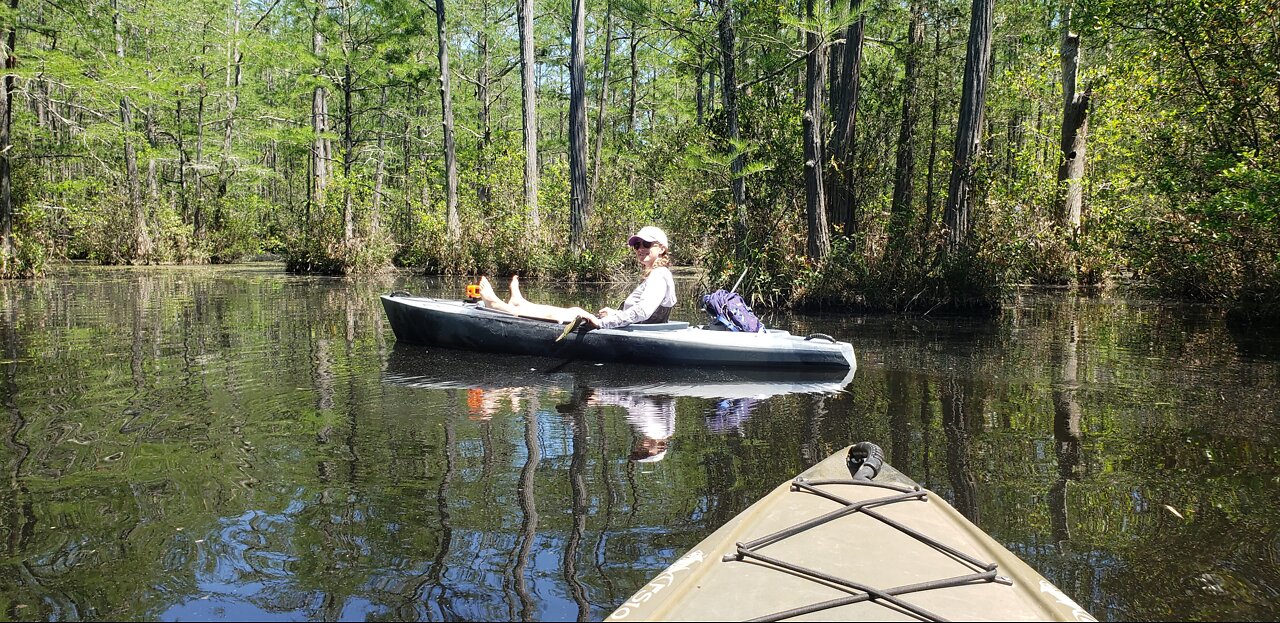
(324, 246)
(239, 230)
(1189, 160)
(85, 221)
(1179, 190)
(1040, 254)
(1222, 244)
(30, 238)
(30, 252)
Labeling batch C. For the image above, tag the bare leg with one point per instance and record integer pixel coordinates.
(547, 312)
(492, 301)
(526, 309)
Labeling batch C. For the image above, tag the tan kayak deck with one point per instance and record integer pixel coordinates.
(824, 548)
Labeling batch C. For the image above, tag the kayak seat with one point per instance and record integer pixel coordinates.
(715, 326)
(670, 325)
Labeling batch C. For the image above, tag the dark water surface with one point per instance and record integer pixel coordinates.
(237, 443)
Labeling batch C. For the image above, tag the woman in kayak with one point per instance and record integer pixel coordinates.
(650, 302)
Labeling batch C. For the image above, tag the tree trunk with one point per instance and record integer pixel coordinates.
(578, 131)
(424, 190)
(405, 233)
(711, 90)
(604, 93)
(835, 58)
(529, 117)
(633, 43)
(1075, 127)
(320, 148)
(348, 152)
(380, 171)
(904, 173)
(930, 197)
(815, 198)
(700, 71)
(182, 171)
(153, 187)
(200, 220)
(454, 225)
(140, 246)
(483, 189)
(956, 214)
(8, 250)
(843, 138)
(729, 89)
(234, 60)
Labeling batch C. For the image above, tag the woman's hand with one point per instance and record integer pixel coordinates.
(589, 317)
(605, 311)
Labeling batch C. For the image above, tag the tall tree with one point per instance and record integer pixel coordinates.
(453, 223)
(529, 111)
(8, 250)
(380, 171)
(935, 104)
(600, 108)
(139, 238)
(348, 86)
(200, 220)
(700, 71)
(633, 47)
(819, 240)
(578, 130)
(321, 155)
(977, 66)
(904, 172)
(846, 91)
(1075, 127)
(486, 77)
(729, 89)
(235, 58)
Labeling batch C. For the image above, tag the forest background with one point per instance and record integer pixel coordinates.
(880, 154)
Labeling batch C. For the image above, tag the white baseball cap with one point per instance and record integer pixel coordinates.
(649, 233)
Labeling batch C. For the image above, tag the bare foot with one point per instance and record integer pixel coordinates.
(517, 298)
(486, 291)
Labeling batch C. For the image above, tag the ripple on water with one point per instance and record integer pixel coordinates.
(268, 416)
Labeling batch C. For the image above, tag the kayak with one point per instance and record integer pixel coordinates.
(470, 326)
(417, 367)
(850, 539)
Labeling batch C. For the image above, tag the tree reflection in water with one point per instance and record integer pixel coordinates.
(237, 443)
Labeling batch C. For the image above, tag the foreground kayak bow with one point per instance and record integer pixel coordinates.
(826, 546)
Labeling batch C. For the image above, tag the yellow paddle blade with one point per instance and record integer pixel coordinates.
(569, 329)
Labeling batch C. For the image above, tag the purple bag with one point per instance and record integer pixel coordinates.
(730, 310)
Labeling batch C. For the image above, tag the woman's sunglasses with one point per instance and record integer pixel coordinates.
(641, 243)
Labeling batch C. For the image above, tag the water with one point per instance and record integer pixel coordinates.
(237, 443)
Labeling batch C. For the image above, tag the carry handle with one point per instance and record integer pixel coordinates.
(820, 336)
(865, 460)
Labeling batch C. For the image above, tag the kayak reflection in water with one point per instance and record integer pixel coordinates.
(482, 404)
(650, 302)
(731, 415)
(652, 417)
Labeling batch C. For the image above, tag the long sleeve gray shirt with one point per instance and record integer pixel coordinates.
(657, 290)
